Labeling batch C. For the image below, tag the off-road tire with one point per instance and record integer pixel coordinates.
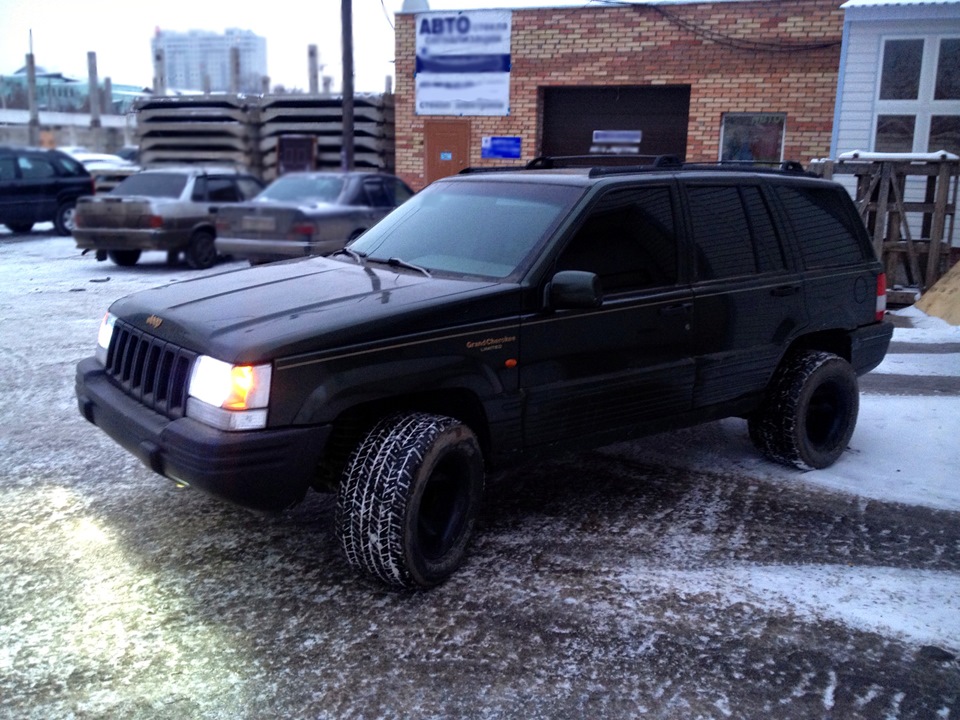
(408, 499)
(810, 411)
(201, 253)
(63, 221)
(125, 258)
(20, 227)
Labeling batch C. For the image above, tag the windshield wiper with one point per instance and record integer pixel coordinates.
(399, 262)
(357, 256)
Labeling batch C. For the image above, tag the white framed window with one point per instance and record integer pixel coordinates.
(918, 95)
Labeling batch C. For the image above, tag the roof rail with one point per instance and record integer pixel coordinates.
(656, 162)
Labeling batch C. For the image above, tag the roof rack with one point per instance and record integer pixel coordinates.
(655, 162)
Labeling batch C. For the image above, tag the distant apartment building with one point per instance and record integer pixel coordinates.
(200, 60)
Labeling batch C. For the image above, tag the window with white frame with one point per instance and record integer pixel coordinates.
(918, 98)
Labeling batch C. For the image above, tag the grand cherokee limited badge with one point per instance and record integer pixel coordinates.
(154, 322)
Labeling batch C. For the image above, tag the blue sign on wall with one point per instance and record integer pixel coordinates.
(500, 147)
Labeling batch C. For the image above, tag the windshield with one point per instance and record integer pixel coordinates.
(469, 228)
(302, 189)
(158, 185)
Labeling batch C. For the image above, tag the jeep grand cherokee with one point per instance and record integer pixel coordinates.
(493, 317)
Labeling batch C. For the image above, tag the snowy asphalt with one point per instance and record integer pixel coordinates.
(622, 583)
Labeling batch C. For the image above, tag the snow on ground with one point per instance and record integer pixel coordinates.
(906, 450)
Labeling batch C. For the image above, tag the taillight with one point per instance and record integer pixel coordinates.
(302, 229)
(881, 296)
(151, 222)
(222, 226)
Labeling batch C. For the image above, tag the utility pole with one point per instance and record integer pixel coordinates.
(346, 21)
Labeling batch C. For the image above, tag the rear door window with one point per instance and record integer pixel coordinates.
(34, 168)
(733, 232)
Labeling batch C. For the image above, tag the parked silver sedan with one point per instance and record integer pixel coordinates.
(308, 213)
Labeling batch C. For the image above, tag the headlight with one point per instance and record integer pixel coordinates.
(229, 397)
(103, 337)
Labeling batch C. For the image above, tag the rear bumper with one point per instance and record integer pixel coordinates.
(264, 469)
(868, 346)
(129, 239)
(263, 250)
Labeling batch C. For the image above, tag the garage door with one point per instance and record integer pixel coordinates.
(571, 115)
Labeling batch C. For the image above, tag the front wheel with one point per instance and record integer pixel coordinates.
(20, 227)
(201, 253)
(408, 499)
(63, 221)
(810, 411)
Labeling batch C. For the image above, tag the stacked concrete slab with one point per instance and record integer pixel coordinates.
(246, 131)
(210, 129)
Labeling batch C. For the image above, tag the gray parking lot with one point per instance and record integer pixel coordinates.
(657, 579)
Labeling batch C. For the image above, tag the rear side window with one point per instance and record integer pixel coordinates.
(733, 232)
(376, 193)
(222, 189)
(628, 240)
(70, 167)
(825, 226)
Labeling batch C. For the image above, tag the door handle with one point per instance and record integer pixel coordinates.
(678, 309)
(785, 290)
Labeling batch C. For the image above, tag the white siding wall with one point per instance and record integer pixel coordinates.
(866, 29)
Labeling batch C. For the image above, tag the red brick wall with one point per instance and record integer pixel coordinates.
(724, 51)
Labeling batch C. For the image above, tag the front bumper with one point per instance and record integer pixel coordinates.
(264, 469)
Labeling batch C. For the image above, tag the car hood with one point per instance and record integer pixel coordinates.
(282, 309)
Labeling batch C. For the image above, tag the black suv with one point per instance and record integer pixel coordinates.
(495, 317)
(39, 185)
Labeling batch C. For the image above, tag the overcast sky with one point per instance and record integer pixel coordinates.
(119, 31)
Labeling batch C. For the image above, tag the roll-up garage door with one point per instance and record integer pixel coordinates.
(571, 115)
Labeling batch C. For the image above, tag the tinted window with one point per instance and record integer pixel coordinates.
(721, 233)
(766, 242)
(33, 167)
(628, 240)
(825, 226)
(220, 189)
(248, 187)
(376, 194)
(8, 168)
(401, 193)
(70, 166)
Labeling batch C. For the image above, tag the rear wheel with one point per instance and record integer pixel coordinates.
(21, 227)
(201, 253)
(408, 500)
(126, 258)
(63, 221)
(810, 411)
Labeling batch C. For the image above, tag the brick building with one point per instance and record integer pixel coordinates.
(730, 78)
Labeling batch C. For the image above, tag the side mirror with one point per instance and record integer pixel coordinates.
(574, 290)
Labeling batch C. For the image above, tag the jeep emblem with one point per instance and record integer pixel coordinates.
(154, 322)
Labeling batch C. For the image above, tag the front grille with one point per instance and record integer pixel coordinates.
(149, 369)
